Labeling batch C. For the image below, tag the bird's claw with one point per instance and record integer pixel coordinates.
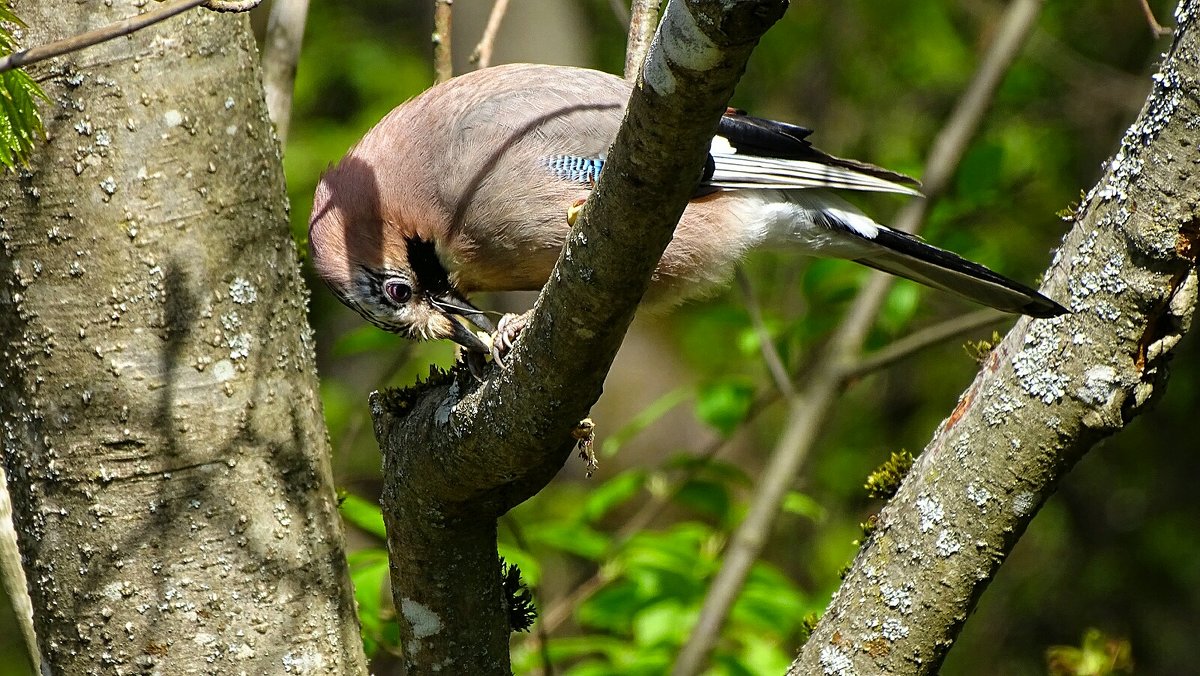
(508, 329)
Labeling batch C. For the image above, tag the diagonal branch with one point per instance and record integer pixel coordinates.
(1047, 393)
(482, 56)
(824, 384)
(457, 453)
(116, 30)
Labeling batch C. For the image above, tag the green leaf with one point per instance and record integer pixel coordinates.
(573, 538)
(20, 122)
(612, 493)
(364, 514)
(803, 505)
(369, 572)
(666, 623)
(710, 468)
(708, 497)
(724, 404)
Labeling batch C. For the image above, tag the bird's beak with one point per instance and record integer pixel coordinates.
(452, 303)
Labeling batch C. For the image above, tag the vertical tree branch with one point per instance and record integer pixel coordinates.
(643, 19)
(443, 56)
(285, 32)
(459, 453)
(824, 384)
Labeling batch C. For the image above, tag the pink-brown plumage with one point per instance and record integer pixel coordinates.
(454, 192)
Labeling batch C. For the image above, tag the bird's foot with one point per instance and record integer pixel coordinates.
(507, 331)
(574, 209)
(585, 437)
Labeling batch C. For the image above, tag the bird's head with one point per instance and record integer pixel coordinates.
(384, 269)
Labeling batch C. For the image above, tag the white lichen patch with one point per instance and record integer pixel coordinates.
(893, 629)
(1100, 386)
(239, 346)
(172, 118)
(1023, 503)
(947, 545)
(1037, 366)
(1000, 404)
(962, 445)
(1126, 165)
(978, 495)
(835, 662)
(897, 598)
(424, 622)
(231, 322)
(242, 292)
(306, 661)
(931, 511)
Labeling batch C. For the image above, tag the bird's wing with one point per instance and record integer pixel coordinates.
(756, 153)
(753, 152)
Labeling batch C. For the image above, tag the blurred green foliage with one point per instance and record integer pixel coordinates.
(876, 80)
(621, 562)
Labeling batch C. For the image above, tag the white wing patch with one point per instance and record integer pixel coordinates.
(721, 146)
(733, 171)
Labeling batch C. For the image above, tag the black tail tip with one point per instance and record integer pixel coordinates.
(1042, 307)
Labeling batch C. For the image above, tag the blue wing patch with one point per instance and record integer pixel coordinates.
(575, 168)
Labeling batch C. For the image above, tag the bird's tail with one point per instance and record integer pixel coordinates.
(907, 256)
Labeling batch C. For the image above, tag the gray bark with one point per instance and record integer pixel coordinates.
(162, 433)
(1046, 394)
(457, 453)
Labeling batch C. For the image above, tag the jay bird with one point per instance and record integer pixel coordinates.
(467, 187)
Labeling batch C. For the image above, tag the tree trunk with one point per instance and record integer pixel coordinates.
(162, 432)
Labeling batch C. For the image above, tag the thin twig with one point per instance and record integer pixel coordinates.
(642, 23)
(285, 31)
(95, 37)
(1156, 28)
(766, 344)
(443, 57)
(482, 56)
(825, 383)
(927, 337)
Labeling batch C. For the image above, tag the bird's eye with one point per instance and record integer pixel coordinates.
(398, 291)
